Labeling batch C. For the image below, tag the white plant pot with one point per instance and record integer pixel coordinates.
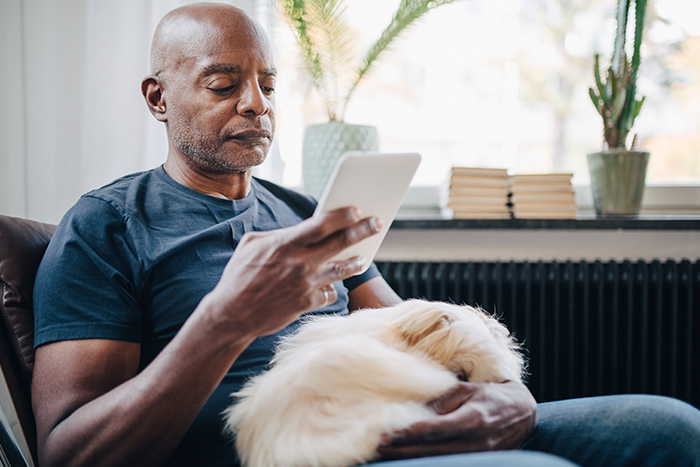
(324, 144)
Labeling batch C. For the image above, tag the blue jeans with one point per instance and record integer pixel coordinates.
(630, 430)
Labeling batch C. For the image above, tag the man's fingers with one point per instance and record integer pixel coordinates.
(338, 270)
(318, 227)
(328, 296)
(340, 240)
(329, 233)
(454, 398)
(332, 272)
(428, 431)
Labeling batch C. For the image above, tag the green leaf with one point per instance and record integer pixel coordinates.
(325, 43)
(597, 102)
(640, 7)
(407, 12)
(596, 74)
(618, 105)
(612, 88)
(296, 14)
(620, 34)
(637, 108)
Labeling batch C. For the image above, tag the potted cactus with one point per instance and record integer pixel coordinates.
(618, 172)
(325, 43)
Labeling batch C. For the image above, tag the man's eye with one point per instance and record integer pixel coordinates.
(221, 91)
(267, 89)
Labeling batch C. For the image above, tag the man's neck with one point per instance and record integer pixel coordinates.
(228, 186)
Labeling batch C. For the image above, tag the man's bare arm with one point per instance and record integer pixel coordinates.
(91, 406)
(375, 293)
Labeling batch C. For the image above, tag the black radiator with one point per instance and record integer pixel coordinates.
(588, 328)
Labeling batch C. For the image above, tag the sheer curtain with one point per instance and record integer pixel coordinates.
(72, 117)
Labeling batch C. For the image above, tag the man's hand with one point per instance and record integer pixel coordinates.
(470, 417)
(273, 277)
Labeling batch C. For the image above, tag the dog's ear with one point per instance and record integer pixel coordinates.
(499, 331)
(513, 365)
(417, 319)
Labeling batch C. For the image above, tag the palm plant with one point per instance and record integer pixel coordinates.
(326, 44)
(615, 98)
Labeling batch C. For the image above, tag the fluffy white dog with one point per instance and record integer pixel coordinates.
(341, 382)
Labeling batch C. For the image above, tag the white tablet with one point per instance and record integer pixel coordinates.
(376, 184)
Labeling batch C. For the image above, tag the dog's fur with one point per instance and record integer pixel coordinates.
(341, 382)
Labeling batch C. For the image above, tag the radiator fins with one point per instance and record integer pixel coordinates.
(589, 328)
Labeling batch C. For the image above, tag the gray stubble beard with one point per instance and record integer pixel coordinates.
(208, 153)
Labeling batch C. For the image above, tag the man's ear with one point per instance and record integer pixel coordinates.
(152, 90)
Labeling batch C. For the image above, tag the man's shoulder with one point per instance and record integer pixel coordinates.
(117, 191)
(113, 204)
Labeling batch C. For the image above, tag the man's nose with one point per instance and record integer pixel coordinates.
(252, 101)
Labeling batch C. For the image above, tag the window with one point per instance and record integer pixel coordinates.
(505, 84)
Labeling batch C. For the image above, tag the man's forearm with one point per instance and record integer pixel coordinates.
(142, 420)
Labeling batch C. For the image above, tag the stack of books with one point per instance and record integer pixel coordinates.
(542, 196)
(478, 193)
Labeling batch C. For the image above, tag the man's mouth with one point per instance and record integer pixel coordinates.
(251, 137)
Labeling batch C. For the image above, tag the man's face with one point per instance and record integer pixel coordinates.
(220, 99)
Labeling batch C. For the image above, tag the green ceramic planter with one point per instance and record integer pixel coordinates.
(617, 181)
(325, 143)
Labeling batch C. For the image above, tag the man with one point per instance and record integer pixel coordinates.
(162, 292)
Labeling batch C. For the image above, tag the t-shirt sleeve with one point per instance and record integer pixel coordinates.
(86, 284)
(354, 281)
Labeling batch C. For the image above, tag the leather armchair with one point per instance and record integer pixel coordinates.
(22, 245)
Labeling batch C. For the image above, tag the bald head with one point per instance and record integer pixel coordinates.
(198, 29)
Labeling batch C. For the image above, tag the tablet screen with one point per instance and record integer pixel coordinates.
(376, 183)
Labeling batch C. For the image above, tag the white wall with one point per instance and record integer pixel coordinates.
(71, 113)
(11, 108)
(535, 245)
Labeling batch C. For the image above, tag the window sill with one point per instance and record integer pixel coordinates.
(420, 233)
(643, 222)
